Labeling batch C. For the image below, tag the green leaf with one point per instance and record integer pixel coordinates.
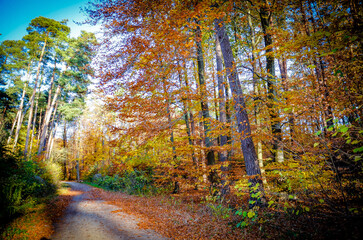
(316, 144)
(357, 158)
(344, 129)
(355, 142)
(244, 213)
(318, 133)
(353, 38)
(349, 140)
(291, 197)
(270, 203)
(321, 200)
(251, 214)
(312, 66)
(360, 149)
(307, 209)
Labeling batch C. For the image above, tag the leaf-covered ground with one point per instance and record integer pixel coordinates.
(37, 223)
(190, 215)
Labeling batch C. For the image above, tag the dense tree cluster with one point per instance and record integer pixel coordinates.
(215, 93)
(255, 96)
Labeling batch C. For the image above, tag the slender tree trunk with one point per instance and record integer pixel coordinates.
(35, 117)
(257, 94)
(202, 150)
(32, 100)
(52, 134)
(186, 115)
(265, 15)
(13, 126)
(20, 110)
(319, 73)
(40, 124)
(33, 128)
(170, 125)
(247, 145)
(285, 85)
(223, 156)
(65, 148)
(50, 93)
(228, 116)
(44, 131)
(204, 99)
(166, 93)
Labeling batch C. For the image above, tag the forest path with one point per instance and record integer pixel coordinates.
(90, 218)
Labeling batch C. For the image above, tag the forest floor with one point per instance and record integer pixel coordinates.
(88, 216)
(95, 213)
(85, 212)
(98, 214)
(101, 214)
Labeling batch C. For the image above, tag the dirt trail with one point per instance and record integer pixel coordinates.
(89, 218)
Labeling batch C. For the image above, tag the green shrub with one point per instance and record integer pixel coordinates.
(135, 182)
(23, 185)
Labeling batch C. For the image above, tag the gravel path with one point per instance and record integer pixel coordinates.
(87, 218)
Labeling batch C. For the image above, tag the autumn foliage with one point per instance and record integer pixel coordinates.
(259, 101)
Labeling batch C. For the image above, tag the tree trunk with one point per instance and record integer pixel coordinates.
(32, 100)
(49, 97)
(52, 133)
(20, 110)
(265, 15)
(223, 156)
(13, 126)
(203, 93)
(247, 145)
(44, 131)
(33, 128)
(35, 117)
(285, 85)
(257, 94)
(65, 148)
(186, 115)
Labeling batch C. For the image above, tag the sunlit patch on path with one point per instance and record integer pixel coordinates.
(90, 218)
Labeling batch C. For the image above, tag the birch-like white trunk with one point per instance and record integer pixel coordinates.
(32, 100)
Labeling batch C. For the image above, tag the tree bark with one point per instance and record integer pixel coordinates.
(265, 15)
(185, 102)
(247, 145)
(203, 92)
(35, 117)
(49, 95)
(32, 100)
(257, 93)
(65, 148)
(53, 131)
(20, 110)
(13, 126)
(223, 156)
(44, 131)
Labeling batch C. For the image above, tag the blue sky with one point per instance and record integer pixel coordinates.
(15, 15)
